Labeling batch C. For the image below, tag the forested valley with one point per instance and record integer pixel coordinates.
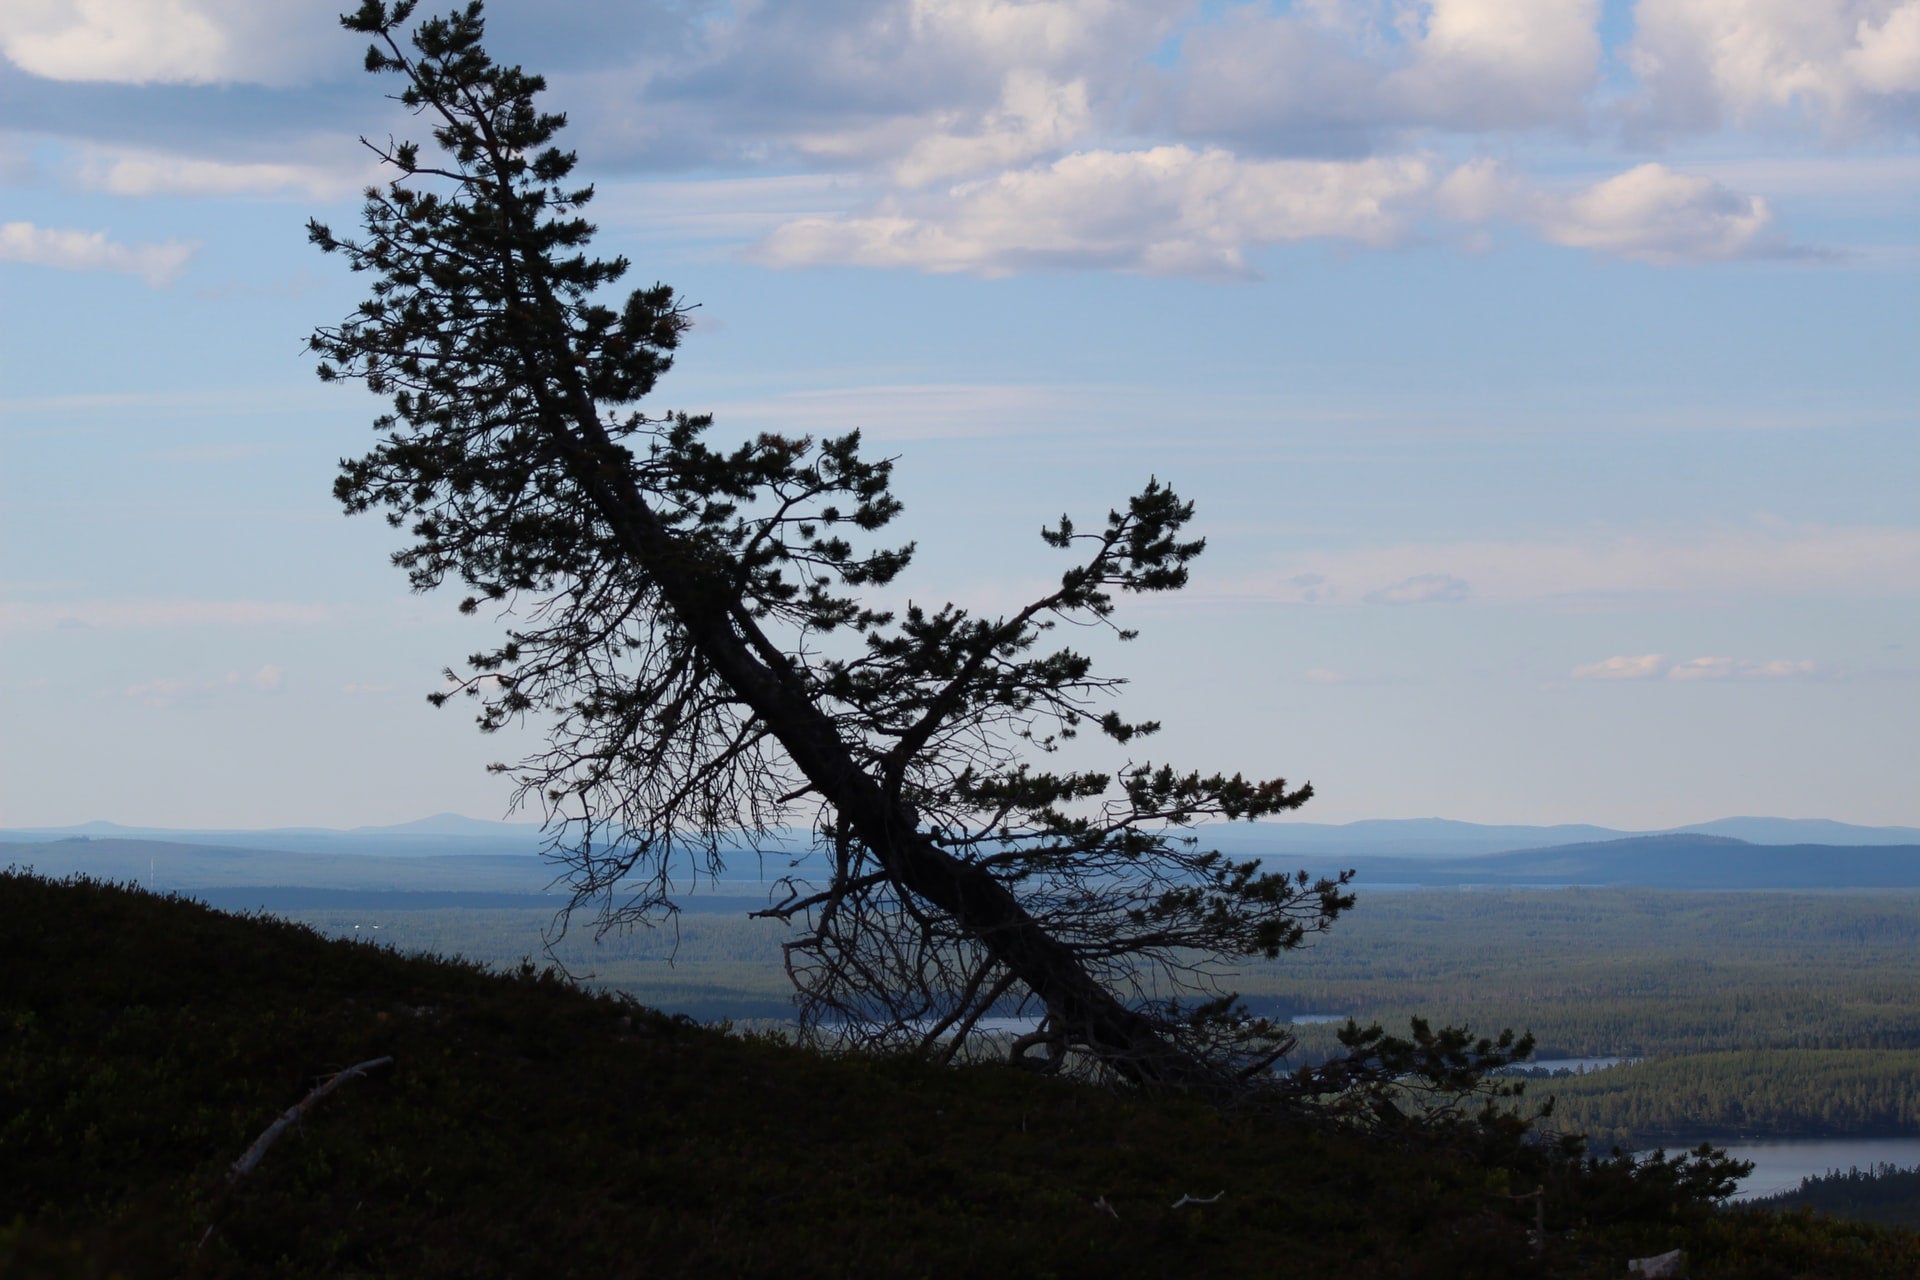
(1748, 1015)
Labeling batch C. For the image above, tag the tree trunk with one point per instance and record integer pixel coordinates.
(1123, 1039)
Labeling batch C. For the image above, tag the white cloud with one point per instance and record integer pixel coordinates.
(1705, 567)
(722, 208)
(135, 615)
(1164, 211)
(1650, 213)
(168, 41)
(150, 173)
(1779, 668)
(1656, 215)
(1655, 666)
(1042, 32)
(157, 264)
(1494, 63)
(1175, 211)
(1702, 669)
(1845, 64)
(1340, 71)
(1036, 116)
(162, 692)
(1646, 666)
(868, 82)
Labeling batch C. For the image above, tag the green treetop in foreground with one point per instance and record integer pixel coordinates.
(688, 622)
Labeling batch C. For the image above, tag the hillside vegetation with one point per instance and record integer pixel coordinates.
(525, 1125)
(1884, 1193)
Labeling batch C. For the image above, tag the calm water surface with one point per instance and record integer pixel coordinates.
(1780, 1165)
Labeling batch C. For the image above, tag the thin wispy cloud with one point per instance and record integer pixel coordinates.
(159, 173)
(916, 411)
(1422, 588)
(148, 614)
(1655, 666)
(167, 691)
(68, 249)
(1645, 666)
(1703, 568)
(1742, 669)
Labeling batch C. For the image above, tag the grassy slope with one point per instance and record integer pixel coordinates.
(529, 1127)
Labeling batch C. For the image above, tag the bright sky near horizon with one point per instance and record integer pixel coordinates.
(1544, 371)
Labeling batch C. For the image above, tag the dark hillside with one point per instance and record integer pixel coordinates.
(526, 1127)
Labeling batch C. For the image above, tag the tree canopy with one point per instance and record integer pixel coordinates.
(695, 626)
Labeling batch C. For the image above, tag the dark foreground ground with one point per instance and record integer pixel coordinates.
(528, 1128)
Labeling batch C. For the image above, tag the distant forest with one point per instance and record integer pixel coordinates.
(1759, 1014)
(1885, 1194)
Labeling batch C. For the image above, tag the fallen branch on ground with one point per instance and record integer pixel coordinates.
(245, 1164)
(1184, 1201)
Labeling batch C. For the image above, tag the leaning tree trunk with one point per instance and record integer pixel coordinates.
(1082, 1008)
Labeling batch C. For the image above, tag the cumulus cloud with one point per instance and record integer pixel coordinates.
(995, 136)
(870, 82)
(165, 41)
(1338, 72)
(1646, 666)
(157, 264)
(1176, 211)
(1164, 211)
(1036, 116)
(1649, 213)
(1842, 63)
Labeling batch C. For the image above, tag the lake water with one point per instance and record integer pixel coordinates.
(1780, 1165)
(1573, 1064)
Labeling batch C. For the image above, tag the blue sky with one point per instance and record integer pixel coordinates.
(1543, 372)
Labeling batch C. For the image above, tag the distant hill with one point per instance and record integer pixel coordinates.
(242, 879)
(1800, 831)
(168, 866)
(223, 874)
(450, 833)
(1665, 862)
(438, 835)
(1442, 838)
